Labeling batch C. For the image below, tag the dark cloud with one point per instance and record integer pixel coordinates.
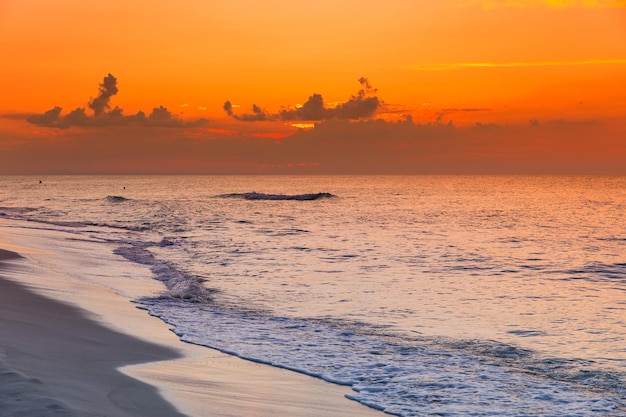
(487, 126)
(452, 110)
(228, 108)
(360, 106)
(161, 116)
(103, 115)
(47, 119)
(331, 147)
(363, 105)
(464, 109)
(406, 147)
(15, 116)
(312, 109)
(108, 88)
(257, 115)
(77, 117)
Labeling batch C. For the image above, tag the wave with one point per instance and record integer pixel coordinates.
(398, 374)
(116, 199)
(597, 272)
(36, 216)
(262, 196)
(179, 285)
(16, 211)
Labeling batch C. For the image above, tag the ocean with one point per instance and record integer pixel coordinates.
(427, 295)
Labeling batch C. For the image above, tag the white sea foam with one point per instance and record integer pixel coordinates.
(179, 285)
(401, 376)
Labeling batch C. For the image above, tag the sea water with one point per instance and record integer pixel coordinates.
(427, 295)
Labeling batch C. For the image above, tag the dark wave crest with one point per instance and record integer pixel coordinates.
(116, 199)
(262, 196)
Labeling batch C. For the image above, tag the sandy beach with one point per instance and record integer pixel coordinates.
(74, 344)
(61, 362)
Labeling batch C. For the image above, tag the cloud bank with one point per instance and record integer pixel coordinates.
(360, 106)
(560, 4)
(331, 147)
(102, 115)
(516, 64)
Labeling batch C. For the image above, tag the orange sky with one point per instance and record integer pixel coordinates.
(451, 86)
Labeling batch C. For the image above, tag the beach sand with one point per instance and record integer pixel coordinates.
(78, 346)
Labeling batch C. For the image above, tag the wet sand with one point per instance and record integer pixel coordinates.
(57, 361)
(74, 348)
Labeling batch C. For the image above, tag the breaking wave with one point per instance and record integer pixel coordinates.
(262, 196)
(397, 374)
(116, 199)
(179, 285)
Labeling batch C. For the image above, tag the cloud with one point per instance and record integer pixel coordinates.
(332, 147)
(360, 106)
(461, 65)
(560, 4)
(257, 115)
(228, 108)
(312, 109)
(406, 147)
(15, 115)
(102, 114)
(49, 118)
(108, 88)
(464, 109)
(457, 110)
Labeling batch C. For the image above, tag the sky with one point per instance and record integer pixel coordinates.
(329, 87)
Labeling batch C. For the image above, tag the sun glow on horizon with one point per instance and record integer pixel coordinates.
(302, 125)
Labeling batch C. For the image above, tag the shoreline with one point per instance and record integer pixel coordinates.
(125, 362)
(78, 371)
(6, 255)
